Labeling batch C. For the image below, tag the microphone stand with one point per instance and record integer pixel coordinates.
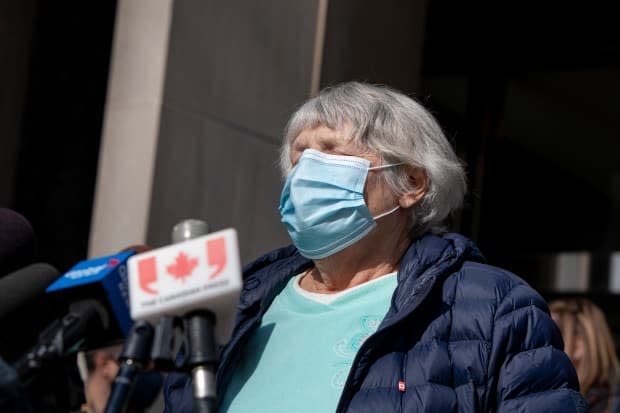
(200, 338)
(135, 357)
(202, 359)
(144, 343)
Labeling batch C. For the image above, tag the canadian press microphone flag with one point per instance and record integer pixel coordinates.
(202, 273)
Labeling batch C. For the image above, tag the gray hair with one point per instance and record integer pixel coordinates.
(397, 129)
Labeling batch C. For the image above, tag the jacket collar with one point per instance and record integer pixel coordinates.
(426, 258)
(265, 277)
(430, 256)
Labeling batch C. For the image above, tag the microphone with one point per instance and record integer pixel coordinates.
(85, 317)
(163, 349)
(18, 291)
(199, 280)
(103, 280)
(25, 285)
(98, 315)
(17, 241)
(144, 340)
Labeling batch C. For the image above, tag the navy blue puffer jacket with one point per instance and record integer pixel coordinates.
(460, 335)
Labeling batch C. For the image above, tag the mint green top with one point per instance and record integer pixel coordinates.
(299, 358)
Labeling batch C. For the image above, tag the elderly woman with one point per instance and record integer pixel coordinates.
(376, 308)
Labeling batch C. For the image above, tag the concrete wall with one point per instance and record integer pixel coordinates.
(235, 72)
(203, 141)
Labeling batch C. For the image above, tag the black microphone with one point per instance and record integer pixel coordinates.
(23, 286)
(85, 318)
(17, 241)
(25, 308)
(98, 315)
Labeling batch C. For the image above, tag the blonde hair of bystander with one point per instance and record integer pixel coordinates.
(587, 341)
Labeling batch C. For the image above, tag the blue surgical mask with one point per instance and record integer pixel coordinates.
(322, 203)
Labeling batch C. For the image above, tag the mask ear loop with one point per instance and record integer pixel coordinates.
(396, 208)
(374, 168)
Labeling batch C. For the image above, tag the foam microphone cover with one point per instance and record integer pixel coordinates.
(24, 307)
(24, 286)
(17, 241)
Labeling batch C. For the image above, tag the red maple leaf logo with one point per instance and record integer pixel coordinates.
(182, 266)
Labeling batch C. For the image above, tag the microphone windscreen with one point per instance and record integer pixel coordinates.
(17, 241)
(25, 285)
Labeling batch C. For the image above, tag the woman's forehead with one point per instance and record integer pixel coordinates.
(327, 137)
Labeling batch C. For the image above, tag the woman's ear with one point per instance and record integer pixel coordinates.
(418, 182)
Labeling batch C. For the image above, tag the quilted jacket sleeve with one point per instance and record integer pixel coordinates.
(532, 373)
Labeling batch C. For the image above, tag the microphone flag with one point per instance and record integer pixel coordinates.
(201, 273)
(103, 278)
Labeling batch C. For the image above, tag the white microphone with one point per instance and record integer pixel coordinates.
(199, 280)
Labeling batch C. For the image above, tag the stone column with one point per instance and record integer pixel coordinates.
(131, 125)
